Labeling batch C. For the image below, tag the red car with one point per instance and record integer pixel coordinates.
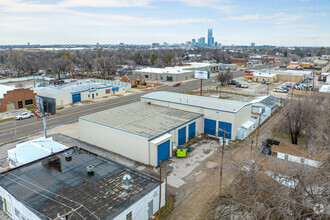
(176, 84)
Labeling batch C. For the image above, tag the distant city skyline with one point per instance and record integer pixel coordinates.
(239, 22)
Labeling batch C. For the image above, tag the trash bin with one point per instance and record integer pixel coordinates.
(189, 149)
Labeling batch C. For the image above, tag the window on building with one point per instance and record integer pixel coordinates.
(302, 160)
(89, 96)
(129, 216)
(146, 76)
(107, 91)
(29, 102)
(286, 157)
(97, 94)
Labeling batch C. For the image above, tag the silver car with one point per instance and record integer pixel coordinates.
(24, 115)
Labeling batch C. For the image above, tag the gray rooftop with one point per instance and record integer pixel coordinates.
(198, 101)
(53, 184)
(142, 119)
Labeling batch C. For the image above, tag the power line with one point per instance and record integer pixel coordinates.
(53, 193)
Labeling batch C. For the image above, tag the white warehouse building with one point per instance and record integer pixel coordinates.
(81, 90)
(219, 114)
(142, 132)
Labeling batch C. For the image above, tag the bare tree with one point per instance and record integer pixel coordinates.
(297, 118)
(224, 77)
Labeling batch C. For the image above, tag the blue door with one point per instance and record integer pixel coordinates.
(227, 127)
(163, 151)
(92, 96)
(210, 126)
(192, 131)
(76, 98)
(182, 136)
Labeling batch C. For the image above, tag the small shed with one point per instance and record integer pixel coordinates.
(298, 154)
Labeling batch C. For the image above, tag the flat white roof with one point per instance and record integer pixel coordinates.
(148, 121)
(264, 74)
(198, 101)
(33, 150)
(4, 89)
(170, 70)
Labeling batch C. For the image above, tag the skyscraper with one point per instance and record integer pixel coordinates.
(201, 41)
(210, 38)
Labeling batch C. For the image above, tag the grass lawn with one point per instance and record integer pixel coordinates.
(6, 119)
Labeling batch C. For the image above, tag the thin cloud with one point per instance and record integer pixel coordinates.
(222, 5)
(105, 3)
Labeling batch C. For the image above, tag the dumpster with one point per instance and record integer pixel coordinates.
(181, 151)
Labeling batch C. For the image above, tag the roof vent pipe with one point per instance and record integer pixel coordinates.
(127, 181)
(68, 156)
(90, 170)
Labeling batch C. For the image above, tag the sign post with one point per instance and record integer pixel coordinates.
(40, 107)
(202, 75)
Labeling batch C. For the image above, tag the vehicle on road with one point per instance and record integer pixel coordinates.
(176, 84)
(238, 85)
(244, 86)
(233, 82)
(24, 115)
(284, 90)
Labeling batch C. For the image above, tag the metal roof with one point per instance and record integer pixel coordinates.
(198, 101)
(142, 119)
(269, 100)
(33, 150)
(54, 184)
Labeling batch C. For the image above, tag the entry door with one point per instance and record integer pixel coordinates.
(182, 136)
(210, 126)
(150, 208)
(92, 96)
(227, 127)
(163, 151)
(20, 104)
(192, 130)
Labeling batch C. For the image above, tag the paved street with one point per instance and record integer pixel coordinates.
(71, 115)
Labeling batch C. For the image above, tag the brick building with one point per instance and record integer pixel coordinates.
(239, 61)
(135, 79)
(12, 98)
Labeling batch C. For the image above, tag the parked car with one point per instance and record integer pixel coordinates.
(24, 115)
(233, 82)
(176, 84)
(244, 86)
(238, 85)
(267, 82)
(249, 81)
(284, 90)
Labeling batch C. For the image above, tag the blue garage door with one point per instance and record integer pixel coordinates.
(76, 98)
(192, 130)
(163, 151)
(182, 136)
(227, 126)
(210, 126)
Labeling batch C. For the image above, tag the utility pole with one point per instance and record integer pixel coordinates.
(258, 131)
(66, 214)
(222, 154)
(268, 89)
(160, 185)
(251, 146)
(201, 90)
(166, 186)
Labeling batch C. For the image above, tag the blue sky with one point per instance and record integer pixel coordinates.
(239, 22)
